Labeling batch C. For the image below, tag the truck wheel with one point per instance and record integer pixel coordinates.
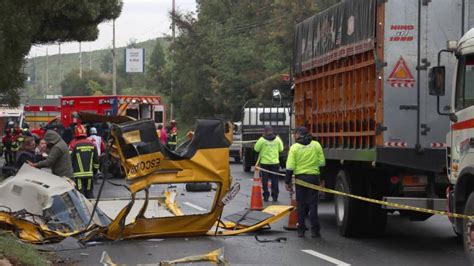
(347, 209)
(468, 229)
(237, 159)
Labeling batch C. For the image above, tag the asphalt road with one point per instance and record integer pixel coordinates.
(405, 243)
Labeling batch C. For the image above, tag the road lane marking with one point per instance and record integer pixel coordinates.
(194, 206)
(325, 257)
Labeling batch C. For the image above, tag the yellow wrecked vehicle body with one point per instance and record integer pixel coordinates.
(40, 207)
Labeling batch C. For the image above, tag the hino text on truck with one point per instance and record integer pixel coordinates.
(362, 87)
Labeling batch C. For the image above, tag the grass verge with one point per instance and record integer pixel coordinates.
(19, 253)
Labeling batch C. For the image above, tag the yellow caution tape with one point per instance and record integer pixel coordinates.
(380, 202)
(244, 141)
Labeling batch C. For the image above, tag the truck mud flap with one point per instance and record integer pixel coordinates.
(198, 187)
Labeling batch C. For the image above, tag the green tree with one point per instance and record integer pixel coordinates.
(106, 62)
(24, 23)
(92, 83)
(232, 52)
(156, 70)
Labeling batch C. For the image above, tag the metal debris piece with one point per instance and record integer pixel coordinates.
(216, 256)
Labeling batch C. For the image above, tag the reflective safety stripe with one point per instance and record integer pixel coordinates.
(83, 174)
(91, 161)
(79, 183)
(89, 183)
(79, 162)
(85, 148)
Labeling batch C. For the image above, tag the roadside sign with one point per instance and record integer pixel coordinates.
(134, 60)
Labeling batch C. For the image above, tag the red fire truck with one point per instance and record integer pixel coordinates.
(138, 107)
(38, 115)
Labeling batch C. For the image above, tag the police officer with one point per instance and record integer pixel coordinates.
(304, 159)
(269, 147)
(85, 161)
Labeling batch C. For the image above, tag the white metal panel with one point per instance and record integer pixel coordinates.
(440, 22)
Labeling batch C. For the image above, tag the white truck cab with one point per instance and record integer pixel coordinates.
(460, 139)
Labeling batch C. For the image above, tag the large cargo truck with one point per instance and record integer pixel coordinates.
(254, 120)
(361, 87)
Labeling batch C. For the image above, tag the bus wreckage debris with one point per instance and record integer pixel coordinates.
(40, 208)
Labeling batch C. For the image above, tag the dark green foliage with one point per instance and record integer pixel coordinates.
(25, 22)
(92, 83)
(233, 52)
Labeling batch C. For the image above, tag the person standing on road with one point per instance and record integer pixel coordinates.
(97, 140)
(269, 147)
(58, 158)
(85, 161)
(162, 135)
(304, 159)
(173, 139)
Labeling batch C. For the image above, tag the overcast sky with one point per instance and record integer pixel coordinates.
(140, 19)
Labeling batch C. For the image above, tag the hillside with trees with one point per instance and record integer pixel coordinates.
(62, 77)
(27, 23)
(226, 54)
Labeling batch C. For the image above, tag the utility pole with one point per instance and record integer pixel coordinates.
(114, 66)
(90, 59)
(47, 72)
(60, 64)
(80, 60)
(172, 60)
(36, 71)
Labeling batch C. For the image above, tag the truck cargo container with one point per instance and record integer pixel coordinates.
(361, 86)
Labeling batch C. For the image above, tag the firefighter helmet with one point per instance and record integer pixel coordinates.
(80, 131)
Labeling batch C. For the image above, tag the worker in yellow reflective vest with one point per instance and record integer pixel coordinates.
(269, 147)
(304, 159)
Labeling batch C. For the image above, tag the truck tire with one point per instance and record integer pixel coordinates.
(237, 159)
(198, 187)
(348, 211)
(468, 229)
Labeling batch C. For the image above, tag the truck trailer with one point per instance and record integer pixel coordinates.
(361, 75)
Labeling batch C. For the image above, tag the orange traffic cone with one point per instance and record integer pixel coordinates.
(256, 202)
(293, 217)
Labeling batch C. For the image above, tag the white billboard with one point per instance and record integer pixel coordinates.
(134, 60)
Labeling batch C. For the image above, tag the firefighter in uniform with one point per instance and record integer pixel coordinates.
(269, 147)
(173, 139)
(85, 161)
(304, 159)
(7, 147)
(16, 142)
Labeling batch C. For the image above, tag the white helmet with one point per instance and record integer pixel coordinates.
(93, 130)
